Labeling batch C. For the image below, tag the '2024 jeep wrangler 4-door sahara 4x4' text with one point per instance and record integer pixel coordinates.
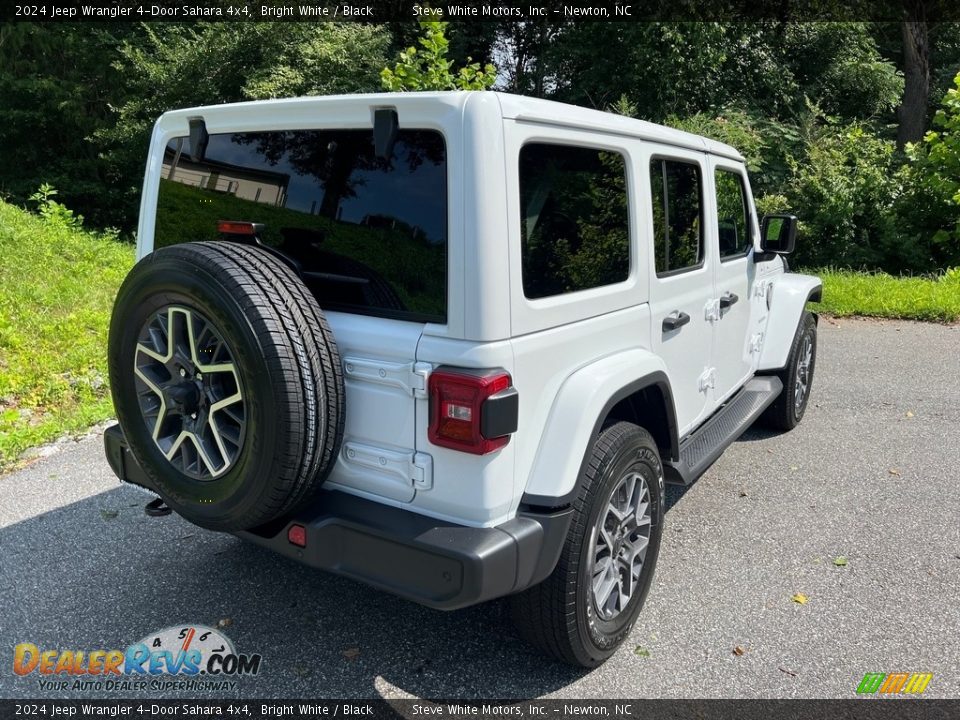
(451, 344)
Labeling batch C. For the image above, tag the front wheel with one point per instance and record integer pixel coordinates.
(787, 410)
(586, 608)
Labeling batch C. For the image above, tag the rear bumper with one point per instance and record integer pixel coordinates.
(436, 563)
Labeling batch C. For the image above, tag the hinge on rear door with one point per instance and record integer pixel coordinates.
(756, 342)
(411, 377)
(413, 467)
(421, 471)
(418, 378)
(711, 311)
(708, 379)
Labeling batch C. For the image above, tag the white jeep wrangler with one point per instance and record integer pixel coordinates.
(451, 344)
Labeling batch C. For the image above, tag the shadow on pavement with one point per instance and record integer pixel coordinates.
(99, 573)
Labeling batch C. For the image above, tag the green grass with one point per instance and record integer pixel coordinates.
(846, 292)
(57, 287)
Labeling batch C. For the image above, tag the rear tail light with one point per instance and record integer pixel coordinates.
(473, 411)
(236, 227)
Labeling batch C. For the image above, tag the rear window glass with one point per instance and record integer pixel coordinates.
(574, 221)
(369, 234)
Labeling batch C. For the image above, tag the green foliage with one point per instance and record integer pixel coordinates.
(734, 127)
(57, 285)
(429, 69)
(771, 204)
(846, 292)
(930, 207)
(173, 66)
(56, 90)
(838, 65)
(843, 191)
(53, 211)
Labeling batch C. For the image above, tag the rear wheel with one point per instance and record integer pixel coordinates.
(586, 608)
(787, 410)
(226, 381)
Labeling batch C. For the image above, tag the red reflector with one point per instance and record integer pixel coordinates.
(233, 227)
(456, 399)
(297, 535)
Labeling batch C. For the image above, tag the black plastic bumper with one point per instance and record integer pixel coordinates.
(429, 561)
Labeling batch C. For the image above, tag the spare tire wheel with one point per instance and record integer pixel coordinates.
(226, 381)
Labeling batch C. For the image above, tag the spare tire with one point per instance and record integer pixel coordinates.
(227, 383)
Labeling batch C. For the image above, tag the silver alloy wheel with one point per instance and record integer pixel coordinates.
(620, 542)
(804, 361)
(189, 392)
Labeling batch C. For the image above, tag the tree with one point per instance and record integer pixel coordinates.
(429, 68)
(56, 90)
(912, 114)
(176, 66)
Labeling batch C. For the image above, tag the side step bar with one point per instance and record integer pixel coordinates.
(702, 448)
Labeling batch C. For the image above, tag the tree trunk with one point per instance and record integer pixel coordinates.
(912, 115)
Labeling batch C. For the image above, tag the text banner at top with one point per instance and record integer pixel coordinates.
(542, 11)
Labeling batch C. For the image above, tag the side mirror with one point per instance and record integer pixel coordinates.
(778, 234)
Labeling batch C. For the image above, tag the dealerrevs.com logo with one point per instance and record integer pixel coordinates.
(182, 657)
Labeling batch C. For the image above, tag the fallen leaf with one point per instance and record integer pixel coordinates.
(799, 598)
(738, 651)
(351, 653)
(909, 414)
(224, 622)
(894, 471)
(794, 467)
(641, 652)
(788, 672)
(108, 514)
(840, 561)
(301, 671)
(743, 493)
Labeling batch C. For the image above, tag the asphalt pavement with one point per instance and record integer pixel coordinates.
(872, 475)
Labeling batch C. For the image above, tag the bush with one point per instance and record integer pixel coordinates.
(843, 190)
(57, 284)
(930, 205)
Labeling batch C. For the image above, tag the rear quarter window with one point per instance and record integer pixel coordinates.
(574, 219)
(369, 234)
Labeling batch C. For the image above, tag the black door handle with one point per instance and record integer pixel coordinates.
(728, 300)
(675, 320)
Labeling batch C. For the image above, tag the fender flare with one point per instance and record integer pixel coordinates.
(790, 294)
(576, 419)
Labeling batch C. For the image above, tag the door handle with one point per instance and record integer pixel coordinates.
(728, 300)
(675, 320)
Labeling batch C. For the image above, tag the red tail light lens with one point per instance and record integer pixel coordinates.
(234, 227)
(456, 409)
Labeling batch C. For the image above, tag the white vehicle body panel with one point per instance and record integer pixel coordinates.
(567, 354)
(789, 293)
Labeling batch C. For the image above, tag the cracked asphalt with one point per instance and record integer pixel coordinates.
(872, 475)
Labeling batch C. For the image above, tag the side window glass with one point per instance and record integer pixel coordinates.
(733, 221)
(677, 217)
(574, 223)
